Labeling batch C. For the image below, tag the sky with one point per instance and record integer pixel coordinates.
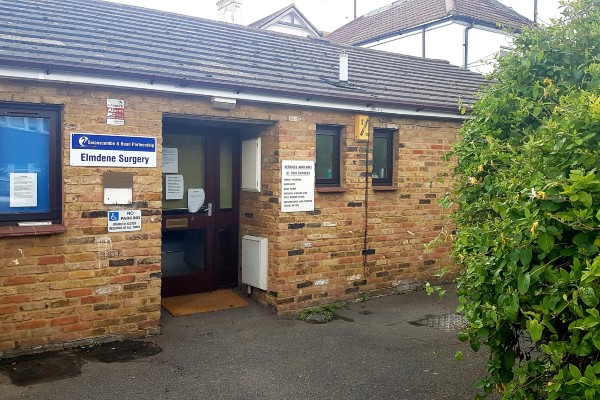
(326, 15)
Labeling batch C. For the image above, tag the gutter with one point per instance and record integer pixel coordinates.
(176, 85)
(476, 23)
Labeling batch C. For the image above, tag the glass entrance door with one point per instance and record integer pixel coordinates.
(199, 238)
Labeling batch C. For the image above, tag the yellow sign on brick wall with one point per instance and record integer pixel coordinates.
(361, 127)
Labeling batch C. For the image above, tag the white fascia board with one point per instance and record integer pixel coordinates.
(483, 28)
(417, 30)
(139, 84)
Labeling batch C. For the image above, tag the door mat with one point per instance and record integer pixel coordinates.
(203, 302)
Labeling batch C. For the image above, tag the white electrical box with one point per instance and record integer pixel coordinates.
(255, 261)
(251, 154)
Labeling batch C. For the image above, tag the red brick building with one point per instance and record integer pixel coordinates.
(138, 148)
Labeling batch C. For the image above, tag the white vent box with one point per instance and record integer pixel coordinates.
(255, 261)
(251, 165)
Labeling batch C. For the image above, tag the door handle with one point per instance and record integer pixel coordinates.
(209, 209)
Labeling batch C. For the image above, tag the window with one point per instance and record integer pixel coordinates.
(383, 157)
(328, 156)
(292, 19)
(30, 167)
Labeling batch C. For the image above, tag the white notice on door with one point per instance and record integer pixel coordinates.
(170, 160)
(195, 199)
(174, 187)
(23, 190)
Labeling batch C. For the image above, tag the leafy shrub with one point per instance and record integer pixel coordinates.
(528, 216)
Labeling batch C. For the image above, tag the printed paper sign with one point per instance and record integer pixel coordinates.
(23, 190)
(95, 150)
(115, 112)
(170, 160)
(196, 199)
(297, 186)
(174, 187)
(125, 221)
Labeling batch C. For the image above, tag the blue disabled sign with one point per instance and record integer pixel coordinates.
(96, 150)
(125, 221)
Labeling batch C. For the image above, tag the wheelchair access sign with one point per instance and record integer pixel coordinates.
(125, 221)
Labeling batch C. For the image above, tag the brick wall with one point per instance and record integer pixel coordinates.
(316, 257)
(88, 283)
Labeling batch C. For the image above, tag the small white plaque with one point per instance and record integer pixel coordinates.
(118, 195)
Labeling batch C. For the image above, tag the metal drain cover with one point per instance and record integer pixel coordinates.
(447, 322)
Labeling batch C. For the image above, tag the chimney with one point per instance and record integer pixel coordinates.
(229, 10)
(344, 66)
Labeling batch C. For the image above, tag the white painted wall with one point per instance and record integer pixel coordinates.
(409, 44)
(290, 30)
(446, 42)
(483, 47)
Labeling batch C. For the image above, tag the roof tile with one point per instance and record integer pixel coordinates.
(405, 15)
(112, 39)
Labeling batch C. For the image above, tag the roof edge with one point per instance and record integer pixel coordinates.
(46, 73)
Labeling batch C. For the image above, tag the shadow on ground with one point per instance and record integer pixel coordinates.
(57, 365)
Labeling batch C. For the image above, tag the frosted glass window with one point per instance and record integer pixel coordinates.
(226, 173)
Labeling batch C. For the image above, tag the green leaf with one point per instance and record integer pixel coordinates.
(523, 283)
(546, 242)
(586, 199)
(483, 333)
(525, 255)
(596, 339)
(463, 336)
(575, 373)
(535, 329)
(588, 295)
(513, 307)
(458, 356)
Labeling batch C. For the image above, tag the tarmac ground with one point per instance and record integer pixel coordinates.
(394, 347)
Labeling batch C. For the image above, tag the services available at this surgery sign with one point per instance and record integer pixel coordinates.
(297, 186)
(95, 150)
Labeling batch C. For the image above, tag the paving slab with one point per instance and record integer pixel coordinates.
(370, 350)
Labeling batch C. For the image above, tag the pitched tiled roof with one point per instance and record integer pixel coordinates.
(109, 39)
(405, 15)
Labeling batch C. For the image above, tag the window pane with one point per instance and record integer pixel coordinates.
(380, 158)
(24, 165)
(325, 148)
(192, 159)
(183, 252)
(226, 173)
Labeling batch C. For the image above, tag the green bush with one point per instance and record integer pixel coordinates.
(528, 214)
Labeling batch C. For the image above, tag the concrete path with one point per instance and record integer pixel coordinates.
(370, 351)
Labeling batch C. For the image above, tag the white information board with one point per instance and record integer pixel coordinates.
(125, 221)
(297, 186)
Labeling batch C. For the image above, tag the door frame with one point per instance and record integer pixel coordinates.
(214, 224)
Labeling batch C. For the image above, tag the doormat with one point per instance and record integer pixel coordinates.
(203, 302)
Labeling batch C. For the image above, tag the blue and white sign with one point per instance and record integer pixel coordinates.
(95, 150)
(125, 221)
